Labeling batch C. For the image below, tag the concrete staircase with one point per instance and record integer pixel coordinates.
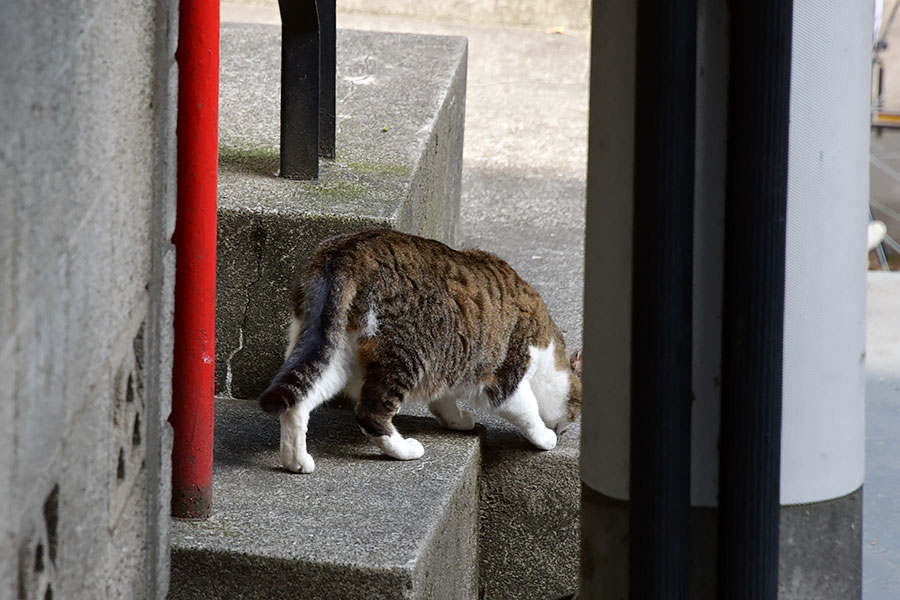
(364, 526)
(482, 515)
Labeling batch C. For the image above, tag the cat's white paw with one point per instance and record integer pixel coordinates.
(293, 443)
(288, 453)
(544, 439)
(400, 448)
(303, 464)
(396, 446)
(410, 449)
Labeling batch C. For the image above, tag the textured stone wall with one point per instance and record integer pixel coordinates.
(86, 271)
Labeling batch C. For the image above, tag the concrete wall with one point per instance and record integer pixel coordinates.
(86, 212)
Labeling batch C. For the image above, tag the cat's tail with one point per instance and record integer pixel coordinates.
(315, 370)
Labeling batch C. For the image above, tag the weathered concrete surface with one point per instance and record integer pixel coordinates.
(820, 549)
(87, 94)
(360, 526)
(529, 513)
(400, 113)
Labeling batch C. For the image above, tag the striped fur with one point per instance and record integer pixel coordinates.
(389, 317)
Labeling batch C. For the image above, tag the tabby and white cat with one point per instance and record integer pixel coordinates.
(387, 317)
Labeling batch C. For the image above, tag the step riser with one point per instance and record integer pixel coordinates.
(204, 575)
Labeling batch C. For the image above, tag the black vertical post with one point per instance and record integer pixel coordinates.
(299, 89)
(753, 310)
(661, 299)
(327, 64)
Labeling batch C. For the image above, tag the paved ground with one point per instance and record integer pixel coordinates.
(881, 497)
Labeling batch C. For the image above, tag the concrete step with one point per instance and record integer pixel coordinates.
(400, 113)
(360, 526)
(530, 511)
(482, 515)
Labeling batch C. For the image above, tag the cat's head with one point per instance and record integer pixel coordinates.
(573, 398)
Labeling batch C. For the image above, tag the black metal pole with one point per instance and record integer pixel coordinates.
(753, 304)
(327, 64)
(661, 299)
(299, 89)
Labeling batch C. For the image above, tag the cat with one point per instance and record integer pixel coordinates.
(386, 317)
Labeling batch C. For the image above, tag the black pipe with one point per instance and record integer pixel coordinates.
(299, 89)
(753, 302)
(327, 51)
(661, 299)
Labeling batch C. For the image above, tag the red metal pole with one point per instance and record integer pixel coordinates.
(195, 275)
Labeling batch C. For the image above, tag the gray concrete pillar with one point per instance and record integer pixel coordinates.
(822, 434)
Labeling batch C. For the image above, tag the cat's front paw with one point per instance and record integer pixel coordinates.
(544, 439)
(410, 449)
(303, 464)
(396, 446)
(404, 449)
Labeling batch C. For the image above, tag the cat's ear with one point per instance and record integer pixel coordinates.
(575, 362)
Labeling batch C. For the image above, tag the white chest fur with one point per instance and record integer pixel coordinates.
(550, 385)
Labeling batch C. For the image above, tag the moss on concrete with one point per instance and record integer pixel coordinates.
(265, 160)
(340, 188)
(262, 160)
(347, 185)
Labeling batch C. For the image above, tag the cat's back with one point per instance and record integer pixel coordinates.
(463, 313)
(380, 247)
(476, 290)
(419, 261)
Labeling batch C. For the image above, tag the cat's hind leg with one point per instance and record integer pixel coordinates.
(379, 401)
(295, 420)
(449, 415)
(521, 409)
(294, 424)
